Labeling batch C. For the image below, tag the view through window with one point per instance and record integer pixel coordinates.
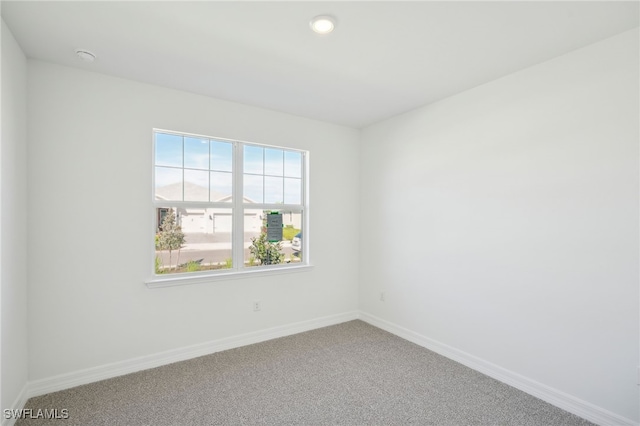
(212, 198)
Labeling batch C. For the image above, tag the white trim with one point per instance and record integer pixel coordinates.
(256, 271)
(238, 214)
(553, 396)
(560, 399)
(115, 369)
(306, 228)
(18, 404)
(238, 207)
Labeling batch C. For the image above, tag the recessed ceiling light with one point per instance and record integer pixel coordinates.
(85, 55)
(323, 24)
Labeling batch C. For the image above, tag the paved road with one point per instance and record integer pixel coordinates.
(212, 250)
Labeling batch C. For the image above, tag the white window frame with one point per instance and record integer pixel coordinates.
(238, 207)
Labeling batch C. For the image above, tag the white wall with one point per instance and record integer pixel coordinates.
(13, 231)
(90, 158)
(503, 222)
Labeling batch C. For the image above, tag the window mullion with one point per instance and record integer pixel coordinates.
(182, 168)
(238, 209)
(306, 203)
(209, 173)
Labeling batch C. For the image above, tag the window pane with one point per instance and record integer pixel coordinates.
(221, 156)
(292, 164)
(252, 190)
(273, 162)
(292, 191)
(196, 185)
(194, 173)
(196, 153)
(201, 243)
(258, 251)
(168, 150)
(168, 184)
(273, 188)
(253, 159)
(221, 186)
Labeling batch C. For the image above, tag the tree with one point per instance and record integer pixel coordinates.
(267, 253)
(170, 236)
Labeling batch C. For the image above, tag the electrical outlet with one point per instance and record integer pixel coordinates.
(382, 296)
(257, 306)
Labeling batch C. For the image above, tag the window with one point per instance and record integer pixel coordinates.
(223, 206)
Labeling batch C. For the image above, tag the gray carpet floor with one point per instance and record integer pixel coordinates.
(347, 374)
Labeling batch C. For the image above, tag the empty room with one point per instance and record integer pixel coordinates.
(357, 213)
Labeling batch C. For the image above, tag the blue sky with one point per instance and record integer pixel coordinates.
(271, 175)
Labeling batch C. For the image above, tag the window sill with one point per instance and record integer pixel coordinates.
(160, 282)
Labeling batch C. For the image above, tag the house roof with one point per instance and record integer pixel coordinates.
(173, 192)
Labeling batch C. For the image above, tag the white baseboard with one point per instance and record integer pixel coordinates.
(94, 374)
(553, 396)
(18, 404)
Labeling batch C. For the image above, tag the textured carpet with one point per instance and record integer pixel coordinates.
(347, 374)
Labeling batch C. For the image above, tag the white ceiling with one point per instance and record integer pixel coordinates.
(384, 58)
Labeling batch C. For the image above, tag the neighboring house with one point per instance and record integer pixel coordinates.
(211, 220)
